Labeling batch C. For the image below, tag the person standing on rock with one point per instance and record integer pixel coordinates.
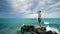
(39, 18)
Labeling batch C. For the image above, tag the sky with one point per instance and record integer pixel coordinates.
(29, 8)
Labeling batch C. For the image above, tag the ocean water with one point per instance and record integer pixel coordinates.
(13, 25)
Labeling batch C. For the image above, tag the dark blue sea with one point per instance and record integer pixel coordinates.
(12, 25)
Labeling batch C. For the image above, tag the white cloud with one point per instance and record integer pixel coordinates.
(55, 5)
(24, 6)
(44, 15)
(21, 6)
(54, 15)
(30, 16)
(42, 4)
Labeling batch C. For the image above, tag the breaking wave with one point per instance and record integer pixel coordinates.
(51, 28)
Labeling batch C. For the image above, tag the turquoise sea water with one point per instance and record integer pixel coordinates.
(12, 25)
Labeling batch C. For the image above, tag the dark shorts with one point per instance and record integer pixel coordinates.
(39, 20)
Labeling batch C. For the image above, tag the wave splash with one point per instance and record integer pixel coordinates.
(51, 28)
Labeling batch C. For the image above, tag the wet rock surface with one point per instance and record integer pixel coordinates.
(34, 30)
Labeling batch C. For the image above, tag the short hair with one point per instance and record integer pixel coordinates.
(39, 11)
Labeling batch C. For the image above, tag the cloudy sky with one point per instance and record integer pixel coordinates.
(29, 8)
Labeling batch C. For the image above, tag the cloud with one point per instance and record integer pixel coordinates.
(54, 15)
(21, 6)
(24, 6)
(29, 8)
(56, 4)
(43, 5)
(30, 16)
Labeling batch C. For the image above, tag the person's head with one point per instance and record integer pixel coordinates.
(39, 11)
